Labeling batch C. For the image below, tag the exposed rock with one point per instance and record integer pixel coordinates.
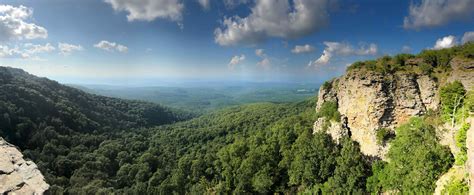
(371, 100)
(429, 97)
(463, 71)
(18, 176)
(335, 129)
(327, 94)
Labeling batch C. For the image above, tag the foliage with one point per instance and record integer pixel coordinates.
(416, 160)
(456, 186)
(452, 98)
(204, 98)
(329, 110)
(401, 59)
(351, 171)
(382, 135)
(461, 137)
(432, 59)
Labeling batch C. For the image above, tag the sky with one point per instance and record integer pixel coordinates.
(125, 41)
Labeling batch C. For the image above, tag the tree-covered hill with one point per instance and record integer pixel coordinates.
(30, 107)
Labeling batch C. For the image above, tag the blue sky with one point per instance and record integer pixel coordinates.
(238, 40)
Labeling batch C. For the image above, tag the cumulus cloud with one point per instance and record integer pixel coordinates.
(265, 62)
(67, 49)
(14, 24)
(445, 42)
(302, 49)
(27, 51)
(7, 52)
(432, 13)
(342, 49)
(149, 10)
(230, 4)
(468, 36)
(273, 18)
(235, 61)
(111, 46)
(206, 4)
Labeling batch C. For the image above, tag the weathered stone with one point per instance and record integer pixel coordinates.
(463, 71)
(18, 176)
(336, 130)
(370, 100)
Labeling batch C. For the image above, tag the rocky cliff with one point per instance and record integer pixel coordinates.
(18, 176)
(370, 100)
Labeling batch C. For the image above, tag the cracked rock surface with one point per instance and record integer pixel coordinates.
(18, 176)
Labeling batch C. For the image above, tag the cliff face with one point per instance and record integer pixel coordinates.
(369, 101)
(18, 176)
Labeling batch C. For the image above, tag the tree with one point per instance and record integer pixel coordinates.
(452, 97)
(351, 171)
(416, 160)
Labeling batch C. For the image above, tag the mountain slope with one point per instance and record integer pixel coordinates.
(31, 105)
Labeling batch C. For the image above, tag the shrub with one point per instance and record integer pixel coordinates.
(402, 58)
(456, 186)
(461, 136)
(329, 110)
(416, 160)
(382, 135)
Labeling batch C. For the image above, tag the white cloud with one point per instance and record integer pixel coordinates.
(342, 49)
(27, 51)
(149, 10)
(230, 4)
(14, 25)
(111, 46)
(260, 52)
(274, 18)
(7, 52)
(406, 49)
(34, 49)
(468, 36)
(235, 61)
(302, 49)
(66, 49)
(431, 13)
(206, 4)
(445, 42)
(265, 64)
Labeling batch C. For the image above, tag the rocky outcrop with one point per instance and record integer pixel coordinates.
(335, 129)
(463, 71)
(18, 176)
(370, 101)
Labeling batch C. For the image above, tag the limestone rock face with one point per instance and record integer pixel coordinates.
(463, 71)
(335, 129)
(371, 100)
(18, 176)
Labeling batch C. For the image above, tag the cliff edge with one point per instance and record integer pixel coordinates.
(18, 176)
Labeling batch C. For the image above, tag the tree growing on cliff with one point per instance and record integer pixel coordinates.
(452, 99)
(416, 160)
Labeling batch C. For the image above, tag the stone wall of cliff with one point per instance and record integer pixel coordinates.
(18, 176)
(369, 101)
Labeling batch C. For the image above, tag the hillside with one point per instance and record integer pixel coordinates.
(396, 124)
(31, 105)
